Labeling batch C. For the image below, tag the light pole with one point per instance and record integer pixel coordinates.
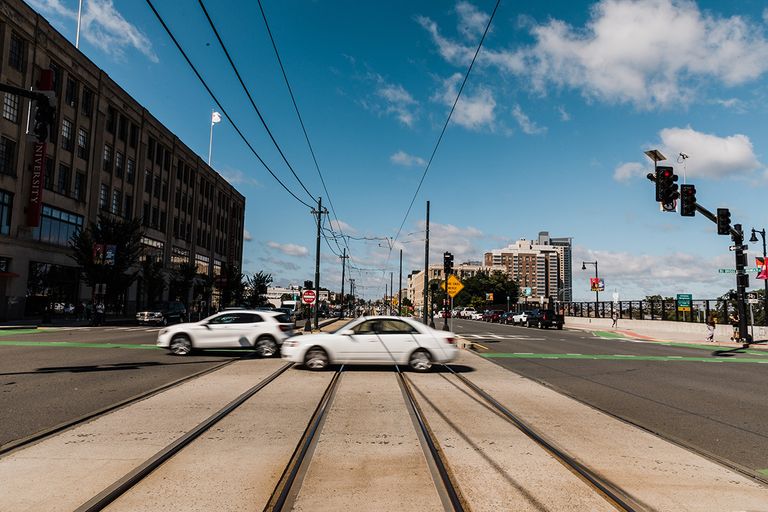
(597, 293)
(765, 281)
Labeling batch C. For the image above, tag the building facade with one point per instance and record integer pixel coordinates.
(106, 155)
(415, 281)
(542, 267)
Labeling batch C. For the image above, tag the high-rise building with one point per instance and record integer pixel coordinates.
(106, 155)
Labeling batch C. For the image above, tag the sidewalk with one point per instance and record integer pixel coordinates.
(657, 335)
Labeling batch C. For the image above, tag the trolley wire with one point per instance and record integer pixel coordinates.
(250, 98)
(445, 126)
(220, 106)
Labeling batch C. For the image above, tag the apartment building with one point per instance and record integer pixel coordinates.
(106, 155)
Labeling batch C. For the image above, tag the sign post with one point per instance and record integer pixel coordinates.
(308, 297)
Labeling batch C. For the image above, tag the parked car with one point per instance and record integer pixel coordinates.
(163, 314)
(374, 340)
(476, 315)
(495, 316)
(543, 318)
(520, 318)
(506, 317)
(466, 312)
(262, 331)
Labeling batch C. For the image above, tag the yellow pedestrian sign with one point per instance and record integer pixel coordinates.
(454, 285)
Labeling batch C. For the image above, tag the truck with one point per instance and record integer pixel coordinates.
(543, 318)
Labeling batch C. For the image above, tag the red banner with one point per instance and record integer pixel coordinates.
(35, 205)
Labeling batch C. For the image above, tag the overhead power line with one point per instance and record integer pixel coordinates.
(445, 126)
(250, 98)
(301, 121)
(220, 106)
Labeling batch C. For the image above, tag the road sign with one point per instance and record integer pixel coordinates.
(527, 291)
(308, 296)
(753, 301)
(737, 247)
(684, 301)
(394, 301)
(454, 285)
(733, 270)
(323, 295)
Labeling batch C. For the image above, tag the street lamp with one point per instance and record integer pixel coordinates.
(597, 293)
(753, 240)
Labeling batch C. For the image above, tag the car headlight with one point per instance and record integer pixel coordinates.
(289, 343)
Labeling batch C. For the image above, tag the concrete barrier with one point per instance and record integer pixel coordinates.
(658, 326)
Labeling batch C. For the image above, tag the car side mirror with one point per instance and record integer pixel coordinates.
(348, 332)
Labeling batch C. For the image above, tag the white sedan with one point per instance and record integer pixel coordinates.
(263, 331)
(374, 340)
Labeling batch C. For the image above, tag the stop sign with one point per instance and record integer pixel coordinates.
(308, 297)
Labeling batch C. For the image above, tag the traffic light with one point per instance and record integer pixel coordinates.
(687, 200)
(666, 188)
(447, 263)
(723, 221)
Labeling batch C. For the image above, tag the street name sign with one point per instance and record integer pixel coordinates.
(752, 301)
(737, 247)
(733, 270)
(308, 296)
(684, 301)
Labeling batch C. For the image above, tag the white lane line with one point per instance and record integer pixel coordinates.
(674, 357)
(524, 353)
(573, 354)
(496, 337)
(622, 355)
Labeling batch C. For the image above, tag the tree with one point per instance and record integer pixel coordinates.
(182, 280)
(231, 285)
(153, 277)
(498, 283)
(125, 235)
(257, 285)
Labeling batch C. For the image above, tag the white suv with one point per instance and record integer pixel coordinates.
(263, 331)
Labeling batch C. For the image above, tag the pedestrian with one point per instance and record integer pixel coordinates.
(615, 318)
(99, 317)
(734, 318)
(711, 329)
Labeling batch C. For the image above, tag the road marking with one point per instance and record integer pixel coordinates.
(495, 336)
(620, 357)
(573, 354)
(71, 344)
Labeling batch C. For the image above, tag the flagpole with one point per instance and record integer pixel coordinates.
(79, 17)
(210, 141)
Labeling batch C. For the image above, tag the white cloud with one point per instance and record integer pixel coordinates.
(102, 26)
(564, 115)
(529, 127)
(472, 22)
(289, 249)
(461, 242)
(638, 275)
(340, 225)
(247, 235)
(654, 53)
(391, 99)
(473, 111)
(710, 156)
(403, 158)
(238, 177)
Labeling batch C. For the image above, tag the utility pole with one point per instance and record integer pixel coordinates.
(426, 271)
(319, 212)
(391, 292)
(343, 267)
(400, 289)
(353, 306)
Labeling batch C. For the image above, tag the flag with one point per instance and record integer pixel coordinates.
(215, 117)
(759, 262)
(762, 268)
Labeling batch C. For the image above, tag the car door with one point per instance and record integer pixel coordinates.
(218, 331)
(246, 329)
(397, 340)
(362, 345)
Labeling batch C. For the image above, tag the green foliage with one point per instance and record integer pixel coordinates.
(257, 285)
(126, 236)
(182, 280)
(476, 287)
(232, 285)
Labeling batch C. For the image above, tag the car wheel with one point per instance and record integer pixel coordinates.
(541, 325)
(266, 346)
(420, 361)
(560, 327)
(181, 345)
(316, 359)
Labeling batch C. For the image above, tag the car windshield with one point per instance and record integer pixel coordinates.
(283, 318)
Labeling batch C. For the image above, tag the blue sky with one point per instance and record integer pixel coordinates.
(549, 133)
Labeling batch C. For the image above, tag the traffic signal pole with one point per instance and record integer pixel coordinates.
(742, 278)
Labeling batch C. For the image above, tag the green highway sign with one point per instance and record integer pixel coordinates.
(684, 301)
(733, 270)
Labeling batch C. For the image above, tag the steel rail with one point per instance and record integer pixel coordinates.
(613, 494)
(451, 490)
(61, 427)
(285, 486)
(118, 488)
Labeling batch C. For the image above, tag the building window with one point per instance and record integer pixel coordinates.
(87, 104)
(163, 221)
(159, 154)
(111, 119)
(67, 135)
(48, 175)
(145, 215)
(108, 158)
(117, 201)
(122, 128)
(65, 175)
(147, 182)
(16, 53)
(56, 77)
(57, 226)
(157, 187)
(133, 139)
(70, 96)
(165, 191)
(179, 256)
(79, 190)
(11, 107)
(155, 216)
(6, 206)
(119, 164)
(130, 170)
(202, 263)
(151, 149)
(128, 208)
(7, 156)
(82, 143)
(104, 196)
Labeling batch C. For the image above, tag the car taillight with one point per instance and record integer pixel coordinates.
(286, 328)
(451, 341)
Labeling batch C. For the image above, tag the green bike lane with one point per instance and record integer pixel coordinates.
(705, 397)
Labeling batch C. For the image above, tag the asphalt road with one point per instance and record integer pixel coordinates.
(52, 376)
(712, 401)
